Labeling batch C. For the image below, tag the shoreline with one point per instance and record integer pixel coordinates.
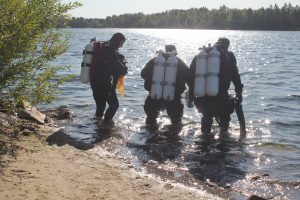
(37, 170)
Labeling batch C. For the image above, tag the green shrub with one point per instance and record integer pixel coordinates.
(29, 43)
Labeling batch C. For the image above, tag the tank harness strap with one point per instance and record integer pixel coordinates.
(202, 56)
(171, 65)
(200, 75)
(157, 83)
(214, 55)
(85, 65)
(169, 84)
(212, 74)
(87, 52)
(158, 63)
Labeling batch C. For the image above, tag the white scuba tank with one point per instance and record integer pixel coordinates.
(87, 61)
(170, 78)
(213, 72)
(200, 73)
(158, 76)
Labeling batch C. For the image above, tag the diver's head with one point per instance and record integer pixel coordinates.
(170, 48)
(223, 43)
(117, 40)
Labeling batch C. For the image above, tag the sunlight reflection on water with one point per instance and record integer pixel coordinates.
(271, 105)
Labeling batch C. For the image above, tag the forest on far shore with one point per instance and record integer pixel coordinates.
(272, 18)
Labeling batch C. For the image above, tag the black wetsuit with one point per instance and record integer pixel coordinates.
(103, 81)
(222, 105)
(174, 108)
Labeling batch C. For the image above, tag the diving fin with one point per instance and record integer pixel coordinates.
(240, 115)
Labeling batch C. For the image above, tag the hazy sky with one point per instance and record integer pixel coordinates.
(104, 8)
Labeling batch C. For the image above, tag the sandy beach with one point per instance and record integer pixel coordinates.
(32, 169)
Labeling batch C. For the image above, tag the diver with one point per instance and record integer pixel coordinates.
(213, 99)
(109, 67)
(165, 77)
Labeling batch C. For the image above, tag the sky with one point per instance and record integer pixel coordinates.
(102, 9)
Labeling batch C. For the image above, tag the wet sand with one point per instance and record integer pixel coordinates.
(40, 171)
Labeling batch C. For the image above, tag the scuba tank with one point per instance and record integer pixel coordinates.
(88, 53)
(158, 76)
(213, 71)
(170, 78)
(200, 73)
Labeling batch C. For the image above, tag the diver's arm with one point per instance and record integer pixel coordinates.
(191, 80)
(236, 78)
(146, 72)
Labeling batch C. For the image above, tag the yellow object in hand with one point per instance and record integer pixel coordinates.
(120, 85)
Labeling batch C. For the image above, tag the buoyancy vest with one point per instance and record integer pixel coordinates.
(91, 52)
(225, 72)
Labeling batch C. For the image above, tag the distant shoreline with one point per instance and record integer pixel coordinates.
(272, 18)
(178, 29)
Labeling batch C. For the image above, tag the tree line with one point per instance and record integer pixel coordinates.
(271, 18)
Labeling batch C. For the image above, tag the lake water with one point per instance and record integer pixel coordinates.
(265, 162)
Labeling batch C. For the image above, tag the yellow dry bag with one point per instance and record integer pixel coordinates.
(120, 85)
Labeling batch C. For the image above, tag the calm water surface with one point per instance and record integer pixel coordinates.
(265, 162)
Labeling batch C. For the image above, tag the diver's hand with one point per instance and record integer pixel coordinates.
(121, 57)
(124, 70)
(239, 98)
(190, 104)
(191, 96)
(189, 99)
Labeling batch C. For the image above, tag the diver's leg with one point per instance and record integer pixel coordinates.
(223, 112)
(113, 103)
(100, 100)
(151, 108)
(206, 108)
(175, 111)
(206, 122)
